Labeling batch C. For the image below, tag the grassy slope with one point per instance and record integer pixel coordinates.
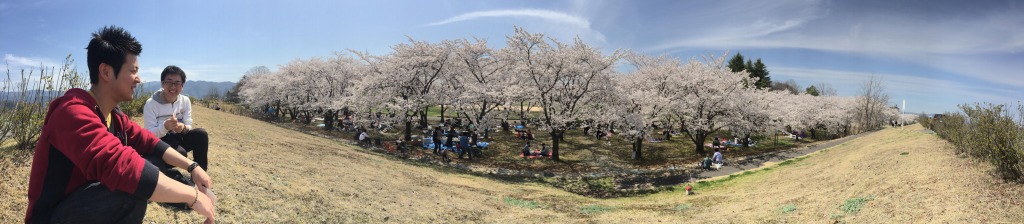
(265, 173)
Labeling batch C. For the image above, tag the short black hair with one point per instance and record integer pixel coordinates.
(172, 70)
(110, 45)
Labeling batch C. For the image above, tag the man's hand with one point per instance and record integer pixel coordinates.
(171, 124)
(201, 179)
(204, 206)
(203, 184)
(180, 128)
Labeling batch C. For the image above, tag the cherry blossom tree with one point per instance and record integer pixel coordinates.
(402, 82)
(563, 79)
(643, 97)
(708, 98)
(479, 79)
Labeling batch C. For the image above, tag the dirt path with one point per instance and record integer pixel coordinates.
(738, 165)
(264, 173)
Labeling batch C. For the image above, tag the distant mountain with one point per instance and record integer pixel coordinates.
(11, 96)
(195, 89)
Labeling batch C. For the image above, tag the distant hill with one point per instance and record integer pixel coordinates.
(194, 88)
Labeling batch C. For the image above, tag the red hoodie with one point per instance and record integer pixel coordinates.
(76, 148)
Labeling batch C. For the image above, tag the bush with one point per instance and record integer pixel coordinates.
(987, 132)
(134, 107)
(924, 120)
(25, 100)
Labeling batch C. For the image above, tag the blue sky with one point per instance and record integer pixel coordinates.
(934, 54)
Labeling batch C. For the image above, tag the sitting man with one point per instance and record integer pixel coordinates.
(168, 115)
(543, 149)
(526, 150)
(705, 163)
(92, 164)
(364, 138)
(717, 159)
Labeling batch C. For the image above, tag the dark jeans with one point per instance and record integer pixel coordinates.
(195, 140)
(95, 203)
(437, 146)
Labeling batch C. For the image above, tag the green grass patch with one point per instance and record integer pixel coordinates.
(788, 208)
(682, 207)
(719, 182)
(791, 161)
(854, 205)
(594, 209)
(521, 203)
(904, 153)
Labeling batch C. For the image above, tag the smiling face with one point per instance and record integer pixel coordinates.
(172, 85)
(127, 79)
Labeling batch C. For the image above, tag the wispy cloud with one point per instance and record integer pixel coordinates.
(28, 62)
(817, 27)
(931, 94)
(536, 13)
(985, 44)
(579, 25)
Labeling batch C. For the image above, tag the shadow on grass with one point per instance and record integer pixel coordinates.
(587, 166)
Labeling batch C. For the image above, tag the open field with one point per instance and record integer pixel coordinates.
(265, 173)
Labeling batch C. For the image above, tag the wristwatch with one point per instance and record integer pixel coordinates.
(192, 167)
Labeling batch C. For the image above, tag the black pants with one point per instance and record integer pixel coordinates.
(437, 146)
(195, 140)
(95, 203)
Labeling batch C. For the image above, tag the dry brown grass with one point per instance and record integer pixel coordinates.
(264, 173)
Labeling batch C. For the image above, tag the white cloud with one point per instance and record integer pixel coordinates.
(575, 22)
(16, 62)
(537, 13)
(957, 44)
(933, 95)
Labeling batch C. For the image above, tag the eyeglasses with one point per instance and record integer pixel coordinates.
(173, 84)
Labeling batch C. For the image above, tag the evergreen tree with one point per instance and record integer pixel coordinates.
(760, 71)
(813, 91)
(736, 63)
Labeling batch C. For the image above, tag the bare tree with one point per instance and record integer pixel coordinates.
(872, 103)
(825, 89)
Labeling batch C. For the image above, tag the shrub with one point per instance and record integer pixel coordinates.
(25, 100)
(134, 107)
(924, 120)
(987, 132)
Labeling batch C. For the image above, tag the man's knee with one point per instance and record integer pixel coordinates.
(199, 134)
(95, 203)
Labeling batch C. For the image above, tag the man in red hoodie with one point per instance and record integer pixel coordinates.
(89, 164)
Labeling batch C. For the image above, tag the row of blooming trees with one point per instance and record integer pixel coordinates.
(568, 82)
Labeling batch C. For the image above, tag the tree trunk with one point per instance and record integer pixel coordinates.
(423, 117)
(408, 130)
(329, 117)
(698, 140)
(556, 137)
(638, 147)
(442, 113)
